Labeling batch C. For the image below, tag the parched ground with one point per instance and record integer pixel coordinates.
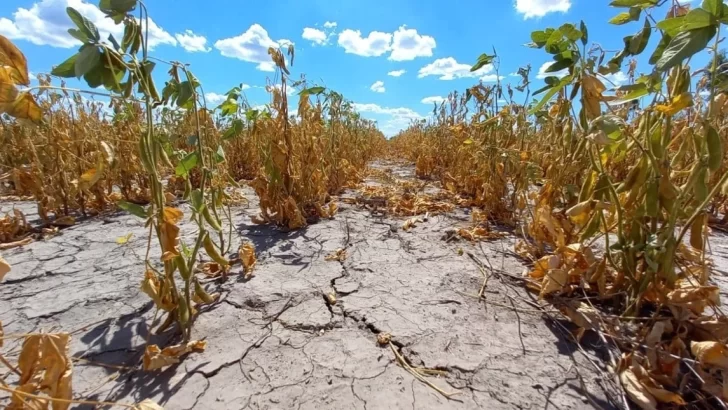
(275, 343)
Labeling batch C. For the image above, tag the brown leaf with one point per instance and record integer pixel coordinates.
(13, 58)
(29, 357)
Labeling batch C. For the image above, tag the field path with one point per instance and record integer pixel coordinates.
(275, 343)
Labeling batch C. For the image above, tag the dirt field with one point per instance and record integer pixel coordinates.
(273, 340)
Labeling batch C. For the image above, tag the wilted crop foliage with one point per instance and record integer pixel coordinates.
(615, 197)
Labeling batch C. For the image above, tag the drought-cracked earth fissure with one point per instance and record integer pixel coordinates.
(275, 341)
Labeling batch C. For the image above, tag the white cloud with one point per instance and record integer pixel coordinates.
(408, 45)
(378, 87)
(616, 79)
(539, 8)
(491, 78)
(543, 74)
(373, 45)
(397, 118)
(396, 73)
(330, 24)
(192, 42)
(251, 46)
(214, 98)
(433, 100)
(315, 35)
(449, 69)
(47, 23)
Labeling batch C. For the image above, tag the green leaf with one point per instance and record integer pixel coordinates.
(188, 163)
(235, 128)
(559, 65)
(219, 154)
(134, 209)
(672, 26)
(66, 69)
(697, 18)
(570, 32)
(78, 35)
(117, 6)
(185, 93)
(312, 91)
(584, 33)
(661, 46)
(714, 7)
(634, 91)
(540, 37)
(228, 107)
(113, 42)
(196, 200)
(546, 98)
(632, 3)
(483, 60)
(96, 77)
(85, 25)
(625, 17)
(88, 58)
(639, 41)
(683, 46)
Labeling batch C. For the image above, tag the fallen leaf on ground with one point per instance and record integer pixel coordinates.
(124, 239)
(338, 255)
(156, 358)
(4, 268)
(710, 353)
(148, 404)
(247, 257)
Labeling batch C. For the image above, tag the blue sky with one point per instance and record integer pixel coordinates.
(392, 58)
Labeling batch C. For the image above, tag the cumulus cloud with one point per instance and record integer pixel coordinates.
(543, 74)
(433, 100)
(46, 23)
(395, 119)
(378, 87)
(314, 35)
(615, 79)
(192, 42)
(330, 24)
(214, 98)
(449, 69)
(373, 45)
(539, 8)
(396, 73)
(251, 46)
(407, 45)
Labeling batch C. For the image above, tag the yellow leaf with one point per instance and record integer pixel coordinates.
(25, 108)
(8, 92)
(124, 239)
(247, 256)
(13, 58)
(4, 269)
(156, 358)
(148, 404)
(554, 281)
(677, 104)
(711, 353)
(636, 391)
(468, 141)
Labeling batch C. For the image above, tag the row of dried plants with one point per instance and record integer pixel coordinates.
(614, 189)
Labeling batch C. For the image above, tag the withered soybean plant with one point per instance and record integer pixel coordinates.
(125, 69)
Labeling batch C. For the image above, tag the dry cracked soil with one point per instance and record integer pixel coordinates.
(275, 343)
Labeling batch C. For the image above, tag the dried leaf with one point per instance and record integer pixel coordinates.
(337, 255)
(13, 58)
(124, 239)
(148, 404)
(247, 256)
(384, 338)
(24, 107)
(638, 393)
(710, 353)
(4, 269)
(156, 358)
